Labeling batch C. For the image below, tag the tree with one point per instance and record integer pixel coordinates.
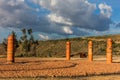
(15, 40)
(24, 41)
(4, 43)
(31, 39)
(28, 43)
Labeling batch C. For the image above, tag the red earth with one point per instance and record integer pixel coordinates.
(56, 67)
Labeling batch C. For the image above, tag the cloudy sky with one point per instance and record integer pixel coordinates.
(54, 19)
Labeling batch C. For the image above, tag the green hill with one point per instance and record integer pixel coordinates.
(56, 48)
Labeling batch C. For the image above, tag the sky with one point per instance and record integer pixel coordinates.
(56, 19)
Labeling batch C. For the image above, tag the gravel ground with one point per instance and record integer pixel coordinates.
(56, 67)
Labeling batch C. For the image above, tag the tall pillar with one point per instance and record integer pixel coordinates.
(109, 51)
(90, 51)
(10, 49)
(68, 50)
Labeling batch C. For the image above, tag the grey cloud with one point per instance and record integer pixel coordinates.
(67, 15)
(16, 14)
(79, 12)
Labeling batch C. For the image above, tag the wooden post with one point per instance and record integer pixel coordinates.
(90, 50)
(68, 50)
(109, 51)
(10, 49)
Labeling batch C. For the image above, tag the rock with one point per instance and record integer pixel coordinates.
(83, 55)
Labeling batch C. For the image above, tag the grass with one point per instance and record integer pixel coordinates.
(57, 48)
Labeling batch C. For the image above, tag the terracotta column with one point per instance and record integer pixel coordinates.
(109, 51)
(68, 50)
(10, 49)
(90, 50)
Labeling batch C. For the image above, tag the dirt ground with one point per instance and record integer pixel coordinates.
(57, 67)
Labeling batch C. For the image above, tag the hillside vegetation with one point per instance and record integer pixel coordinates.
(56, 48)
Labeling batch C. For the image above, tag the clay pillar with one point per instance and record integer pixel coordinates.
(10, 49)
(90, 50)
(109, 51)
(68, 50)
